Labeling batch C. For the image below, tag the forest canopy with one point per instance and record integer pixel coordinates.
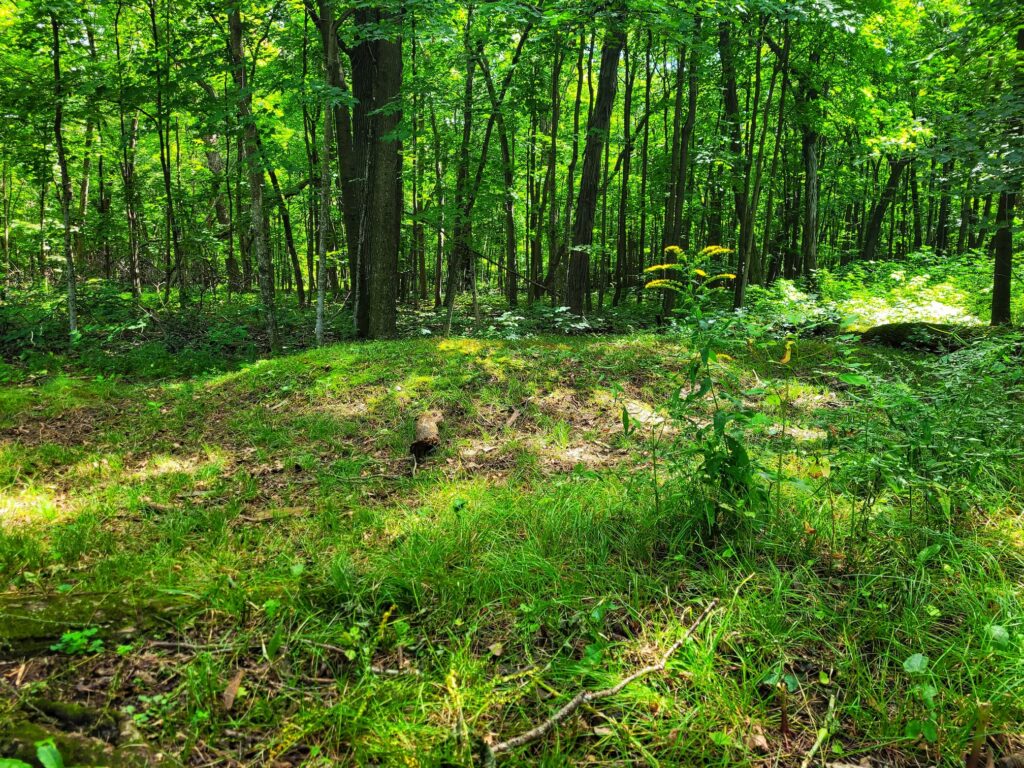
(416, 151)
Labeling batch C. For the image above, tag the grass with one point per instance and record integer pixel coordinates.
(381, 616)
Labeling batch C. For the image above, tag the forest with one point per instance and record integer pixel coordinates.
(511, 382)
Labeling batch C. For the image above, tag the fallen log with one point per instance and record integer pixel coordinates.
(30, 624)
(428, 436)
(930, 337)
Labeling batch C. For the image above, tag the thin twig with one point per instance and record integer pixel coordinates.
(586, 697)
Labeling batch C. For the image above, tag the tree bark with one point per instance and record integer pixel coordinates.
(597, 133)
(732, 116)
(376, 84)
(874, 229)
(250, 156)
(1002, 240)
(65, 178)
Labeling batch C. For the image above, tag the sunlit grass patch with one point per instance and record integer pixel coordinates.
(29, 506)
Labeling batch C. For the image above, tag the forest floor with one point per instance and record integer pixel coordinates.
(243, 567)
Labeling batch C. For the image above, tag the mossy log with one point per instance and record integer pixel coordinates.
(31, 624)
(18, 741)
(931, 337)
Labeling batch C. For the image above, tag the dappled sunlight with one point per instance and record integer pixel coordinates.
(30, 506)
(413, 386)
(465, 346)
(162, 465)
(917, 298)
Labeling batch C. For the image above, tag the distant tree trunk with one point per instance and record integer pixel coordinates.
(680, 191)
(641, 253)
(915, 199)
(1002, 241)
(129, 140)
(463, 224)
(83, 184)
(756, 264)
(65, 178)
(809, 146)
(577, 285)
(550, 204)
(1002, 244)
(508, 177)
(250, 155)
(6, 183)
(439, 205)
(942, 226)
(874, 229)
(732, 117)
(621, 235)
(286, 225)
(326, 182)
(419, 240)
(172, 245)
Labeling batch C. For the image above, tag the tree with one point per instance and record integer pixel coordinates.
(578, 284)
(65, 177)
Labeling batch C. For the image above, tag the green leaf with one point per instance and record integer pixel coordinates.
(917, 664)
(1000, 636)
(854, 379)
(928, 553)
(48, 754)
(930, 731)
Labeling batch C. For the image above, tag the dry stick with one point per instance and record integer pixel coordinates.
(586, 697)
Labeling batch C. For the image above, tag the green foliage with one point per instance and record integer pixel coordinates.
(849, 505)
(79, 641)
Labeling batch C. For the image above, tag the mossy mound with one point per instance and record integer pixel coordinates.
(931, 337)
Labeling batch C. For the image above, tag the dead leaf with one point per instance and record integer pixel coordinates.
(756, 740)
(496, 649)
(232, 690)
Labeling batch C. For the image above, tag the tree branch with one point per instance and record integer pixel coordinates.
(586, 697)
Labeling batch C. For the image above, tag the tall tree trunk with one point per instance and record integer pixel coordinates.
(621, 235)
(1002, 245)
(463, 224)
(376, 84)
(874, 229)
(942, 226)
(286, 224)
(250, 156)
(732, 117)
(577, 285)
(129, 140)
(171, 234)
(642, 251)
(6, 184)
(65, 178)
(508, 178)
(1002, 241)
(809, 147)
(570, 175)
(915, 199)
(326, 182)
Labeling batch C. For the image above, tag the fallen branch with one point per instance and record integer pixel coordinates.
(586, 697)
